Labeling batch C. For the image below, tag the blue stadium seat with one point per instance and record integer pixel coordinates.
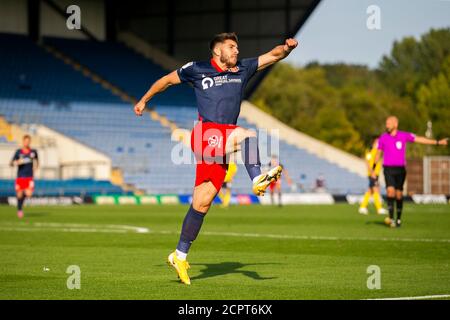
(27, 71)
(71, 187)
(38, 88)
(132, 72)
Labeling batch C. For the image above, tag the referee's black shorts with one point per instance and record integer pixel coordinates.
(395, 177)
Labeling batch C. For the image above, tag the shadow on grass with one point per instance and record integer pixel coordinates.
(218, 269)
(377, 223)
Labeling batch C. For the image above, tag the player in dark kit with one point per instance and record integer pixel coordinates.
(219, 85)
(393, 145)
(26, 160)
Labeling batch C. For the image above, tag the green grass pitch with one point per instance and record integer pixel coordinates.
(245, 252)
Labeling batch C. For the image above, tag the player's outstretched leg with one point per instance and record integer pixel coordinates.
(261, 182)
(201, 201)
(246, 141)
(250, 154)
(191, 227)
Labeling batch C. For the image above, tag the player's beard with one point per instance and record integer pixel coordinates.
(229, 61)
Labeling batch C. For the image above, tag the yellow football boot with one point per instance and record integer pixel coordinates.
(180, 266)
(264, 180)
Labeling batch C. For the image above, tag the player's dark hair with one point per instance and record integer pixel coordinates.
(27, 136)
(221, 37)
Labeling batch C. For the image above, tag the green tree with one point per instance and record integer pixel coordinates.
(434, 101)
(334, 128)
(346, 105)
(412, 63)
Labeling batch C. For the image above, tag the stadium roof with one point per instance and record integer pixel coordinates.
(183, 28)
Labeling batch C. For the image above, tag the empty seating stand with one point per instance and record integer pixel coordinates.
(38, 88)
(72, 187)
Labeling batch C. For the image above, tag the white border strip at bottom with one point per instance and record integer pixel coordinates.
(416, 298)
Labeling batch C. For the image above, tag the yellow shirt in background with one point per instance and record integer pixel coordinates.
(232, 169)
(370, 158)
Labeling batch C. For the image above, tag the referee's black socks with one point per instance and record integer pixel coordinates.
(390, 203)
(399, 208)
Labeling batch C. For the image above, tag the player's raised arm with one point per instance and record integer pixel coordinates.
(36, 162)
(276, 54)
(159, 86)
(15, 160)
(423, 140)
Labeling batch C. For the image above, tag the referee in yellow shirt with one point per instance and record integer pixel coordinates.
(374, 189)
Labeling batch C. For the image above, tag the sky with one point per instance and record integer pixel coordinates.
(337, 29)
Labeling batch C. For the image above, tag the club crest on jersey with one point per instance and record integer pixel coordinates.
(207, 83)
(399, 145)
(214, 141)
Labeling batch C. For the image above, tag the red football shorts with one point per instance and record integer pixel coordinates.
(208, 141)
(275, 184)
(24, 184)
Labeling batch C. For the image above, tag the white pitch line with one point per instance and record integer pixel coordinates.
(297, 237)
(85, 230)
(99, 226)
(416, 298)
(111, 228)
(72, 227)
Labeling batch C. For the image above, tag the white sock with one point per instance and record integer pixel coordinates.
(181, 255)
(256, 178)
